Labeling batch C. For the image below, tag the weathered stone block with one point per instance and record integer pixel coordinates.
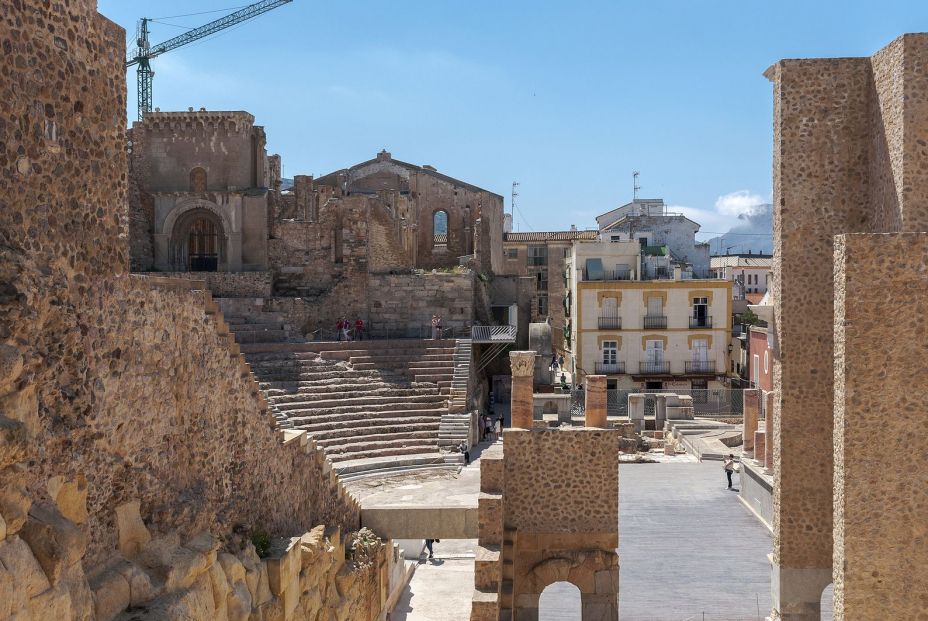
(111, 594)
(56, 542)
(70, 496)
(14, 507)
(132, 532)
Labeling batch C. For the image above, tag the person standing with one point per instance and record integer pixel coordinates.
(345, 327)
(339, 326)
(553, 365)
(436, 327)
(499, 427)
(358, 328)
(729, 468)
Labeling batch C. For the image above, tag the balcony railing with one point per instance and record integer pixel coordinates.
(700, 322)
(610, 322)
(699, 367)
(655, 322)
(603, 368)
(605, 275)
(493, 334)
(653, 368)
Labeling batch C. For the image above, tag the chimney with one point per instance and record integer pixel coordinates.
(384, 156)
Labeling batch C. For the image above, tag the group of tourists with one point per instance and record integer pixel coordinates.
(490, 427)
(346, 332)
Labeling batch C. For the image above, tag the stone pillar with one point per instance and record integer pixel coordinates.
(760, 442)
(303, 195)
(822, 112)
(523, 370)
(771, 436)
(880, 394)
(596, 401)
(751, 414)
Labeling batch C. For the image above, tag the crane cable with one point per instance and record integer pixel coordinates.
(231, 8)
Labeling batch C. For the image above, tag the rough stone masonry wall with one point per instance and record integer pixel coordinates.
(230, 284)
(880, 504)
(114, 391)
(403, 305)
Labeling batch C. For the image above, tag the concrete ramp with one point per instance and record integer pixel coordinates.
(421, 522)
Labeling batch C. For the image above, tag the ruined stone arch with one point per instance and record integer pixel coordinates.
(182, 219)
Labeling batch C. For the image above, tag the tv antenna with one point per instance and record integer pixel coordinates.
(635, 186)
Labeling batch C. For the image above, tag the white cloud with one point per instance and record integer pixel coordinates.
(741, 202)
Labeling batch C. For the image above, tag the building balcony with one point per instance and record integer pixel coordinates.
(655, 322)
(699, 367)
(700, 322)
(604, 275)
(654, 368)
(603, 368)
(610, 322)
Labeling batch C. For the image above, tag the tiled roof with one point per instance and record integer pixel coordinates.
(550, 236)
(753, 298)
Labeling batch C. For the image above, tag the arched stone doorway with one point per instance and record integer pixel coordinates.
(198, 242)
(559, 600)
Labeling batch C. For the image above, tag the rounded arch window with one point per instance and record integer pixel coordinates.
(559, 600)
(440, 228)
(198, 179)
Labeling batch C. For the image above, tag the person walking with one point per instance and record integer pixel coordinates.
(436, 327)
(729, 468)
(463, 448)
(499, 427)
(339, 326)
(345, 327)
(428, 546)
(358, 328)
(553, 365)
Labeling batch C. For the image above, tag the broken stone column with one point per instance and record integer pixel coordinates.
(760, 442)
(751, 415)
(523, 370)
(303, 195)
(636, 411)
(596, 401)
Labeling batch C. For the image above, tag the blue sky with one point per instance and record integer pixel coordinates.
(568, 98)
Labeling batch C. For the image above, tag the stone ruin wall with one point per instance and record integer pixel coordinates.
(230, 284)
(849, 167)
(129, 425)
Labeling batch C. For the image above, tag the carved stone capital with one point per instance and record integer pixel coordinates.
(522, 363)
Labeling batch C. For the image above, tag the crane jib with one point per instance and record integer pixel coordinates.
(146, 52)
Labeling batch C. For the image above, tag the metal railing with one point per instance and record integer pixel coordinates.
(655, 322)
(610, 322)
(493, 334)
(691, 367)
(707, 403)
(608, 368)
(653, 368)
(700, 322)
(605, 275)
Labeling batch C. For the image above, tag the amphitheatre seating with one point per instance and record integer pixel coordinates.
(374, 406)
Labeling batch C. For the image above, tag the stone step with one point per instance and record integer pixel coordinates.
(347, 354)
(360, 425)
(394, 410)
(389, 359)
(375, 441)
(318, 346)
(320, 419)
(411, 395)
(333, 385)
(391, 461)
(410, 448)
(388, 471)
(347, 396)
(434, 379)
(428, 429)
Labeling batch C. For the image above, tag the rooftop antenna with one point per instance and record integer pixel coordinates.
(635, 186)
(512, 201)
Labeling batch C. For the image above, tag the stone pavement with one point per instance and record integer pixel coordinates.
(686, 546)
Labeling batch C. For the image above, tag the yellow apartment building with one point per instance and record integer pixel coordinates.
(662, 331)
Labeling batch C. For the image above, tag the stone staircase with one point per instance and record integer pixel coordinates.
(374, 407)
(456, 424)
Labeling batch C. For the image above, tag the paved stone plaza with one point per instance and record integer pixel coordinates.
(687, 547)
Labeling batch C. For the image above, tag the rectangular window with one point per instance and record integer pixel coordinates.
(512, 253)
(543, 305)
(610, 352)
(541, 280)
(537, 255)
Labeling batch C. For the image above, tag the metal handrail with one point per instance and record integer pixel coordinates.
(700, 322)
(655, 322)
(603, 368)
(493, 334)
(699, 366)
(653, 368)
(610, 322)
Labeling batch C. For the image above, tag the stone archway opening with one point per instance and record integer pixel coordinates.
(198, 242)
(559, 601)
